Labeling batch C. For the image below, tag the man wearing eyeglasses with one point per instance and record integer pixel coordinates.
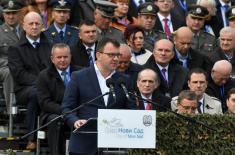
(187, 102)
(88, 84)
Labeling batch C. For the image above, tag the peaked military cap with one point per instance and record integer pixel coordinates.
(11, 5)
(148, 8)
(197, 11)
(105, 7)
(60, 4)
(230, 14)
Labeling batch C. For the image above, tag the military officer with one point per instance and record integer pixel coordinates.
(231, 16)
(10, 32)
(103, 15)
(147, 18)
(59, 31)
(202, 41)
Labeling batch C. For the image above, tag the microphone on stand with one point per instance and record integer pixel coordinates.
(122, 83)
(110, 83)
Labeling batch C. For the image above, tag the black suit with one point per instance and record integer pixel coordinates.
(195, 60)
(25, 63)
(176, 21)
(178, 9)
(215, 90)
(177, 78)
(79, 54)
(163, 102)
(51, 89)
(219, 55)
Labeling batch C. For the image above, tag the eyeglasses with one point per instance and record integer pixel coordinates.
(112, 55)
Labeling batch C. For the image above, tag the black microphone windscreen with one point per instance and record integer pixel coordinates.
(109, 82)
(121, 80)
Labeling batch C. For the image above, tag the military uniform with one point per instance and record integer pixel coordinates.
(204, 42)
(9, 36)
(70, 35)
(111, 32)
(211, 105)
(151, 37)
(67, 34)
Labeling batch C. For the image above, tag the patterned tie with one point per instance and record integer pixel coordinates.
(148, 105)
(90, 59)
(65, 79)
(166, 27)
(61, 33)
(164, 73)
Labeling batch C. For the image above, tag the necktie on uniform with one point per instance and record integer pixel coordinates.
(61, 33)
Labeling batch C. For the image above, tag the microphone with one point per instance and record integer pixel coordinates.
(122, 83)
(110, 83)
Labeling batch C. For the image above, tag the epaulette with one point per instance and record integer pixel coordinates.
(207, 33)
(75, 27)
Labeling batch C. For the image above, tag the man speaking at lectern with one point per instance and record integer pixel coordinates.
(88, 84)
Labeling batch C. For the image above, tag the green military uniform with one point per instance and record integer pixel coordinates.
(204, 42)
(151, 37)
(111, 32)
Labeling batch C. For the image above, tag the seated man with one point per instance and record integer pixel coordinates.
(187, 102)
(197, 82)
(51, 86)
(231, 101)
(147, 83)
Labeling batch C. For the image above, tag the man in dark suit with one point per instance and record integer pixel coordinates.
(147, 84)
(165, 20)
(127, 67)
(220, 81)
(51, 86)
(87, 84)
(59, 31)
(10, 32)
(180, 7)
(83, 53)
(173, 77)
(185, 55)
(226, 49)
(26, 59)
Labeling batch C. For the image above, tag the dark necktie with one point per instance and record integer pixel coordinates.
(61, 33)
(35, 44)
(226, 8)
(199, 107)
(90, 60)
(16, 32)
(166, 27)
(141, 2)
(65, 79)
(164, 74)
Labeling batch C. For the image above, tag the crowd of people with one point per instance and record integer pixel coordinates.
(56, 55)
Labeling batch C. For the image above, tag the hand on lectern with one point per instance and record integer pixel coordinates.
(79, 123)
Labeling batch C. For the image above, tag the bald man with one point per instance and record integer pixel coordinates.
(126, 66)
(26, 59)
(173, 77)
(220, 81)
(185, 55)
(226, 47)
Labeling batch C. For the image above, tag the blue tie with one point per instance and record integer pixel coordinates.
(35, 44)
(61, 35)
(65, 79)
(90, 59)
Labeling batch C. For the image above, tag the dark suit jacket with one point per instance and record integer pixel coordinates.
(83, 87)
(163, 102)
(50, 88)
(26, 62)
(177, 77)
(195, 60)
(176, 20)
(70, 35)
(79, 54)
(219, 55)
(178, 9)
(214, 90)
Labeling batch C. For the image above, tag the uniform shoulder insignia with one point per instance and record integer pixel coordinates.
(43, 30)
(207, 33)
